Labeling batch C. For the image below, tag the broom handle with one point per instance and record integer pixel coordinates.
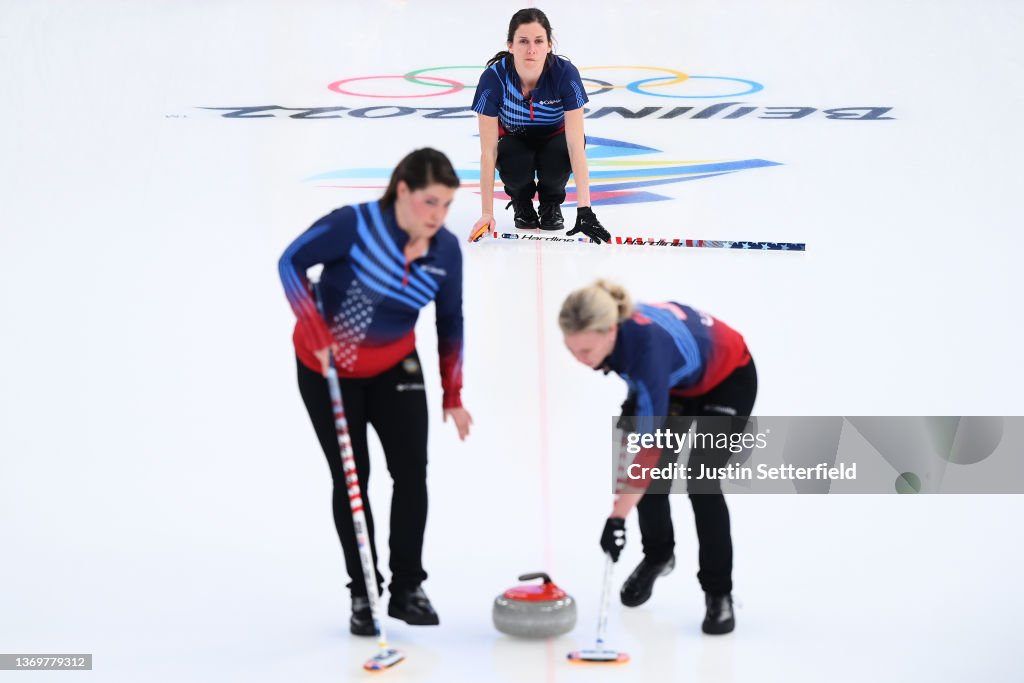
(609, 564)
(355, 496)
(606, 591)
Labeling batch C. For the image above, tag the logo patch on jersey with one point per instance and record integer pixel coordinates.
(409, 387)
(411, 366)
(434, 270)
(547, 102)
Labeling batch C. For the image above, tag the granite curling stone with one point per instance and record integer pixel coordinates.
(534, 611)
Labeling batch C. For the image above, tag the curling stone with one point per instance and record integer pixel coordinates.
(534, 611)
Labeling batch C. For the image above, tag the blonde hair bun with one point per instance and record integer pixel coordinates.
(597, 307)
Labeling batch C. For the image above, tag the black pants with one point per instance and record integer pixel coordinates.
(521, 159)
(733, 396)
(395, 404)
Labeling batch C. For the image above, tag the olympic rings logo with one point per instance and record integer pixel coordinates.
(732, 87)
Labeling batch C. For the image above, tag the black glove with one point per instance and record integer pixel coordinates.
(613, 538)
(587, 223)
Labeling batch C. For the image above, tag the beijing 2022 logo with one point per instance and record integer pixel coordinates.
(618, 93)
(678, 94)
(613, 179)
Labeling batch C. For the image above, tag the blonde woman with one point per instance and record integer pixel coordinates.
(677, 361)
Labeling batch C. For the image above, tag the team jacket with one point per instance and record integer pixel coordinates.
(499, 93)
(669, 348)
(372, 296)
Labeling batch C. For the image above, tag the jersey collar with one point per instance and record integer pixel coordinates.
(401, 237)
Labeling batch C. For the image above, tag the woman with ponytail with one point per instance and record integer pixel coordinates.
(382, 262)
(676, 361)
(530, 108)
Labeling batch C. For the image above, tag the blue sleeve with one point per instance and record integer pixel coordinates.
(574, 94)
(489, 93)
(448, 303)
(327, 240)
(648, 382)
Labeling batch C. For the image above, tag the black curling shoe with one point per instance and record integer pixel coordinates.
(525, 215)
(719, 618)
(412, 606)
(638, 587)
(551, 216)
(361, 622)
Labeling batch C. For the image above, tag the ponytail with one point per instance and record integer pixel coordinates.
(596, 308)
(498, 57)
(618, 293)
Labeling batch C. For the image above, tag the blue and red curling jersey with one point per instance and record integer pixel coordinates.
(668, 348)
(372, 296)
(500, 93)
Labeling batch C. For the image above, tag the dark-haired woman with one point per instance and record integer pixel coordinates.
(529, 104)
(382, 262)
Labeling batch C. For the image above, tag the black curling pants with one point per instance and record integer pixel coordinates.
(394, 403)
(529, 165)
(733, 396)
